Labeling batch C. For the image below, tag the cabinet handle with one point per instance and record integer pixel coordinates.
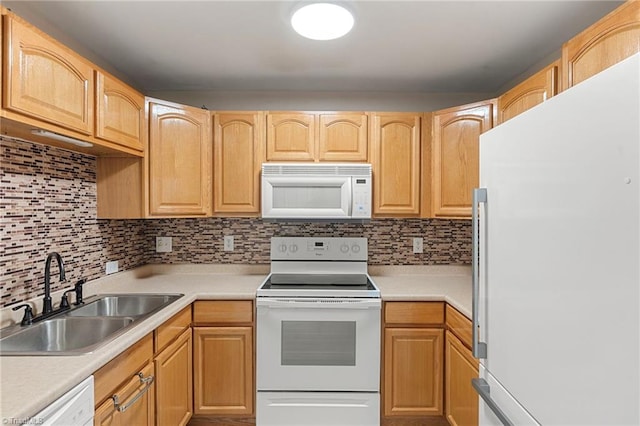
(143, 380)
(482, 387)
(479, 196)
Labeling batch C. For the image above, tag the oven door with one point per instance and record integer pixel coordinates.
(318, 344)
(306, 197)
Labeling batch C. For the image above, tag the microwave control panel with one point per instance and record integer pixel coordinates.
(361, 197)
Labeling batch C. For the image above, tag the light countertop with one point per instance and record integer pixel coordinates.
(29, 383)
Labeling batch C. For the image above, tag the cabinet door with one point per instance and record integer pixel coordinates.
(343, 137)
(136, 403)
(607, 42)
(119, 112)
(395, 159)
(180, 166)
(291, 136)
(461, 400)
(531, 92)
(45, 80)
(174, 386)
(455, 150)
(238, 155)
(413, 371)
(223, 370)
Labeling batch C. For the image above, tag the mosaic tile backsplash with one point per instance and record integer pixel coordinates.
(48, 203)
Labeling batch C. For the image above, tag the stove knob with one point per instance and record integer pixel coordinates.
(293, 248)
(355, 248)
(282, 248)
(344, 248)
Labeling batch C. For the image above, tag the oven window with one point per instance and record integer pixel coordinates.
(318, 343)
(307, 197)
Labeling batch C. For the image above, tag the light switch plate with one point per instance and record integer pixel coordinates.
(111, 267)
(228, 243)
(418, 244)
(163, 245)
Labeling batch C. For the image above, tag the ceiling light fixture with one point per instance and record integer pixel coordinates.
(61, 138)
(322, 21)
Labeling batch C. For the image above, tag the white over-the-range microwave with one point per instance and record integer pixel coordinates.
(316, 191)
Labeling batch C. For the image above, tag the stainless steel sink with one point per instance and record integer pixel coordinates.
(124, 305)
(66, 334)
(83, 329)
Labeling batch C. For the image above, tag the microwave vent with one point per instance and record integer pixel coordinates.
(315, 169)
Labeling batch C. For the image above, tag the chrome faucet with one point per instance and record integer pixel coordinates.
(46, 304)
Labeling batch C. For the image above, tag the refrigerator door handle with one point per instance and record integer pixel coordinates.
(482, 387)
(479, 349)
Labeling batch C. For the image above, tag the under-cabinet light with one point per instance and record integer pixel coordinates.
(61, 138)
(322, 21)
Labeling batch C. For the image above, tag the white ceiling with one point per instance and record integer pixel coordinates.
(400, 46)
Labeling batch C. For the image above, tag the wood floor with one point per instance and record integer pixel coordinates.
(222, 421)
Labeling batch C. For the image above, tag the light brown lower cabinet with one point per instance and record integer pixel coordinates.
(413, 361)
(461, 400)
(131, 404)
(174, 382)
(223, 358)
(224, 366)
(413, 372)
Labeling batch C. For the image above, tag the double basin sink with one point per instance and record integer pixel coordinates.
(85, 328)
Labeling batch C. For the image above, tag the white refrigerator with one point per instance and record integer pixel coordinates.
(556, 259)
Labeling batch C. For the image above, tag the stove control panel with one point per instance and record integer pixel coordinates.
(320, 248)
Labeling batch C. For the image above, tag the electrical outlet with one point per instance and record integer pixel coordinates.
(111, 267)
(228, 243)
(417, 244)
(163, 245)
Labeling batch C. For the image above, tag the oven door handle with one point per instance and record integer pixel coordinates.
(306, 303)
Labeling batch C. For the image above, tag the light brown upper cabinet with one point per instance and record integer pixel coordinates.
(455, 156)
(119, 112)
(306, 136)
(531, 92)
(45, 80)
(180, 163)
(46, 85)
(343, 137)
(607, 42)
(238, 142)
(395, 159)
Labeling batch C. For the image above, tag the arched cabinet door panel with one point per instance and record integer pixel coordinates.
(45, 80)
(533, 91)
(119, 112)
(607, 42)
(238, 139)
(395, 159)
(180, 160)
(455, 151)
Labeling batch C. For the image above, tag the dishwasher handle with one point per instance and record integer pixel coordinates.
(143, 380)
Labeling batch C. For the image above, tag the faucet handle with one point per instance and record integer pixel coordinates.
(64, 302)
(78, 289)
(28, 313)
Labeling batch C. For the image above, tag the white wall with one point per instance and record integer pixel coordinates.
(319, 101)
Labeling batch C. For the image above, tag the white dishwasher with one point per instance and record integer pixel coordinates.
(74, 408)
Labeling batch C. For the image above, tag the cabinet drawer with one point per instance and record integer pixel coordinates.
(137, 399)
(223, 311)
(418, 313)
(459, 325)
(172, 328)
(122, 368)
